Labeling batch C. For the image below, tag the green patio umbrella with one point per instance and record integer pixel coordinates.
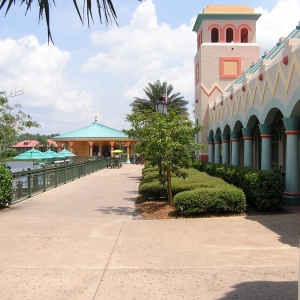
(53, 154)
(66, 153)
(31, 154)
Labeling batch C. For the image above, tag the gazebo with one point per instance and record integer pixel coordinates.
(96, 140)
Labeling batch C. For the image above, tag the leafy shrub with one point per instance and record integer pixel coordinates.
(263, 189)
(198, 193)
(152, 189)
(6, 188)
(8, 153)
(203, 200)
(149, 170)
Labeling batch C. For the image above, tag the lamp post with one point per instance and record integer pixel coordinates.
(161, 107)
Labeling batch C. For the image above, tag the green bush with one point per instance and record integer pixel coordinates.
(150, 176)
(8, 153)
(6, 188)
(147, 170)
(204, 200)
(152, 189)
(263, 189)
(198, 193)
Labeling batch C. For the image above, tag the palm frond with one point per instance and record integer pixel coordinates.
(105, 7)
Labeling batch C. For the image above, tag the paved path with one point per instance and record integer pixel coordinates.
(82, 241)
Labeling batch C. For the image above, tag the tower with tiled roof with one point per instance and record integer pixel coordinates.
(226, 45)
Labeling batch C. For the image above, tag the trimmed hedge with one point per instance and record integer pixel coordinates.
(151, 188)
(198, 193)
(263, 189)
(218, 199)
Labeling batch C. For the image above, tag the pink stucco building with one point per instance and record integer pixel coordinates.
(249, 105)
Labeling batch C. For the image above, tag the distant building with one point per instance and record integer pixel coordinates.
(249, 105)
(29, 144)
(96, 140)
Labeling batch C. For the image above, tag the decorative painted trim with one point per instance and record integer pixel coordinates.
(239, 67)
(225, 142)
(243, 88)
(212, 90)
(231, 96)
(266, 136)
(217, 143)
(291, 193)
(230, 17)
(211, 143)
(292, 132)
(222, 31)
(261, 77)
(235, 140)
(221, 103)
(285, 60)
(248, 138)
(244, 26)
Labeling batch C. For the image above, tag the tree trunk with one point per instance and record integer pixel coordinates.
(169, 186)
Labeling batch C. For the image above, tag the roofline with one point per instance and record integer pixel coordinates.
(78, 139)
(202, 17)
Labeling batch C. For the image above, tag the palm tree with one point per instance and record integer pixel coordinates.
(105, 8)
(154, 91)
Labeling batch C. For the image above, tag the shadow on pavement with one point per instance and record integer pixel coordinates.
(287, 226)
(286, 290)
(127, 211)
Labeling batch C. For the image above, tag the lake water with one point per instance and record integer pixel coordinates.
(17, 166)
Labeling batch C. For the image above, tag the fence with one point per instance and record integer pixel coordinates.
(30, 182)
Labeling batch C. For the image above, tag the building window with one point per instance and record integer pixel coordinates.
(215, 35)
(229, 35)
(244, 35)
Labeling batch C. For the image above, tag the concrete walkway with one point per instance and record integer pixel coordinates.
(82, 241)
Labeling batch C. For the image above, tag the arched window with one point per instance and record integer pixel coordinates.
(229, 35)
(215, 35)
(244, 35)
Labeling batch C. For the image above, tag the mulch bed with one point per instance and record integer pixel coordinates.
(160, 209)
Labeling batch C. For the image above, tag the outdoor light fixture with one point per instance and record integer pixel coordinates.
(161, 106)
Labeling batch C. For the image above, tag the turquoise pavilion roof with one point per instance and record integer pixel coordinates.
(96, 130)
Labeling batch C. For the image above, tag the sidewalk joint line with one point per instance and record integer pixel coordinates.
(109, 260)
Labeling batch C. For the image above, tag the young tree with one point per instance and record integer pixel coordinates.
(12, 121)
(167, 141)
(105, 9)
(156, 90)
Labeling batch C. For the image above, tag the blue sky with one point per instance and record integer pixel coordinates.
(99, 70)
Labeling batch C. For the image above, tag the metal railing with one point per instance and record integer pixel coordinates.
(30, 182)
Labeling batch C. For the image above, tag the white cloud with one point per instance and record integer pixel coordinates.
(277, 23)
(147, 50)
(62, 95)
(39, 69)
